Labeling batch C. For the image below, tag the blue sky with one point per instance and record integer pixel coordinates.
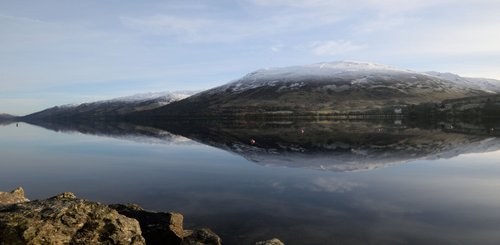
(59, 52)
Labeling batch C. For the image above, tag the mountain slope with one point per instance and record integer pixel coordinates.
(6, 116)
(6, 119)
(336, 87)
(489, 85)
(109, 108)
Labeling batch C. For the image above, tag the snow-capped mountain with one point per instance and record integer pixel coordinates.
(335, 87)
(308, 90)
(110, 108)
(302, 74)
(326, 72)
(160, 96)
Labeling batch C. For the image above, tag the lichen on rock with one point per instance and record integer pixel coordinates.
(274, 241)
(66, 220)
(15, 196)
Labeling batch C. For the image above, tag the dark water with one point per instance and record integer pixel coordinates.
(305, 183)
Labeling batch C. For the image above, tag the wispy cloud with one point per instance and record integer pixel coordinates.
(384, 23)
(277, 47)
(257, 24)
(200, 44)
(385, 6)
(333, 47)
(165, 24)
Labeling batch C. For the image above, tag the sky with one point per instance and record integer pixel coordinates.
(69, 51)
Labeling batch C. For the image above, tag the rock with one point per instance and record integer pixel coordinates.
(64, 196)
(15, 196)
(166, 228)
(274, 241)
(202, 236)
(63, 219)
(157, 228)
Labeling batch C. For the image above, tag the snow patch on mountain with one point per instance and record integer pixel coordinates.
(162, 98)
(326, 69)
(170, 96)
(294, 77)
(485, 84)
(359, 73)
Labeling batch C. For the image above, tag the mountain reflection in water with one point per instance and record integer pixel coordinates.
(450, 198)
(323, 145)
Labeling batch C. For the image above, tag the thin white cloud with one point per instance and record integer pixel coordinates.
(277, 47)
(380, 6)
(333, 47)
(385, 23)
(230, 29)
(169, 24)
(210, 43)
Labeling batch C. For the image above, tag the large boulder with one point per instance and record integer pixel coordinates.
(166, 228)
(203, 236)
(157, 228)
(15, 196)
(63, 219)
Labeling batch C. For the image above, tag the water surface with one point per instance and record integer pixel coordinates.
(305, 183)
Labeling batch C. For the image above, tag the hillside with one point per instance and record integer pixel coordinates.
(7, 118)
(324, 88)
(109, 108)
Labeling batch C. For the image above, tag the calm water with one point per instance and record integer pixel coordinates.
(340, 183)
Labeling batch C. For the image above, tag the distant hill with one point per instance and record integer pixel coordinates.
(109, 108)
(323, 88)
(7, 118)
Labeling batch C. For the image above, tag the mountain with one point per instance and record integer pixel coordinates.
(6, 118)
(323, 88)
(109, 108)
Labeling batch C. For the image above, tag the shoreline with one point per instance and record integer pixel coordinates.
(64, 219)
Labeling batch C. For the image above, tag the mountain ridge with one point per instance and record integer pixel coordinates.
(110, 108)
(326, 88)
(322, 88)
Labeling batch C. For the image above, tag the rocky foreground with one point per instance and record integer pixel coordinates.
(65, 219)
